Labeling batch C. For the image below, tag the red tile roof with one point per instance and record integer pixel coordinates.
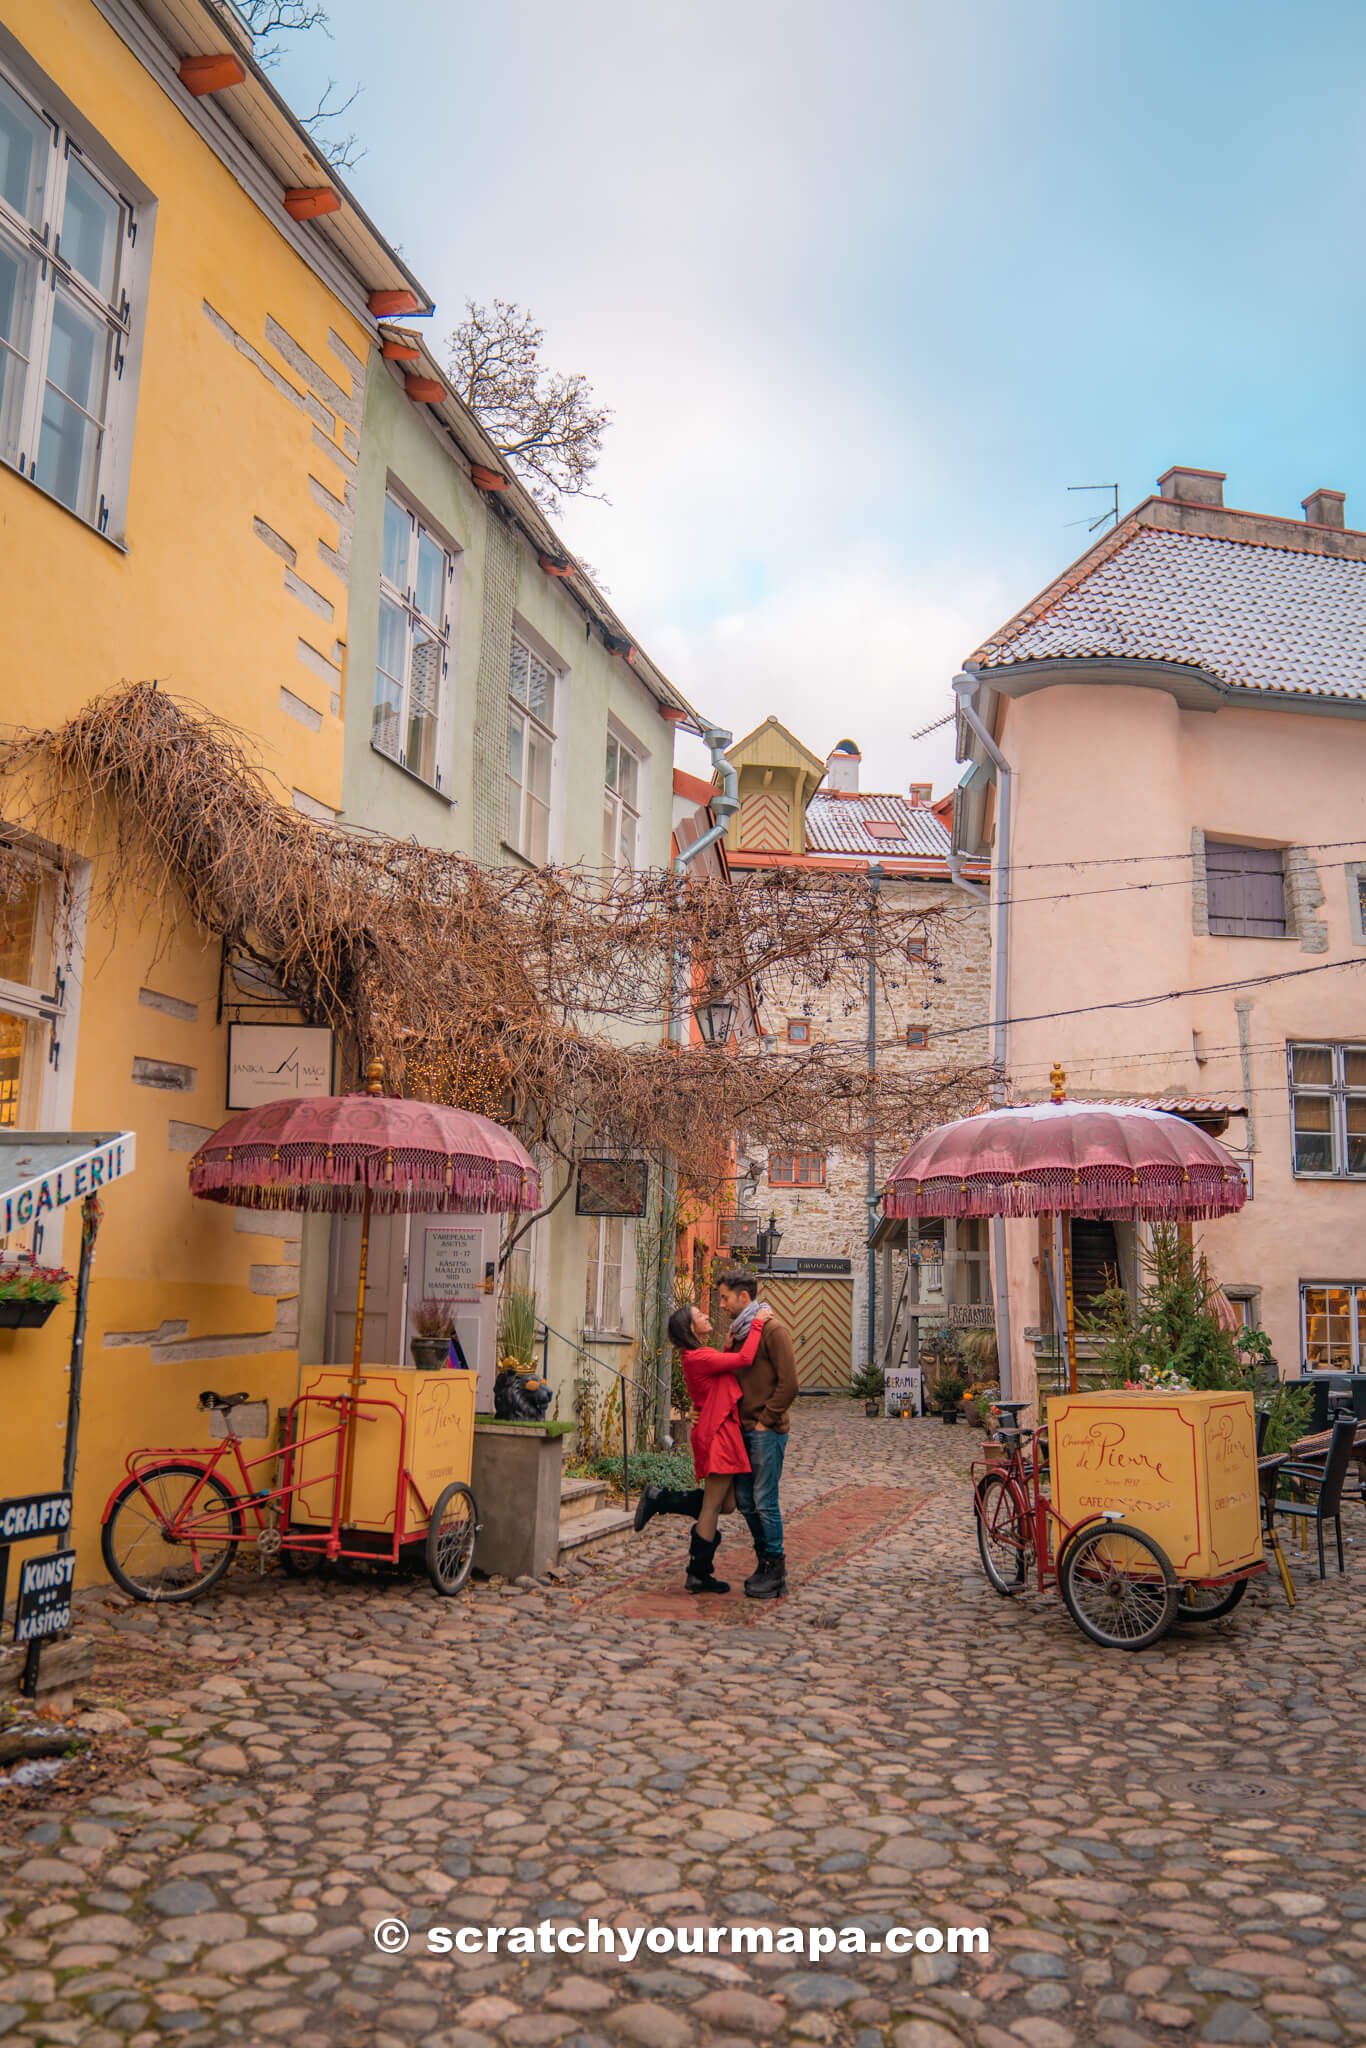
(888, 826)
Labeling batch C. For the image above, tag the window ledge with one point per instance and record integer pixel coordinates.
(515, 853)
(607, 1337)
(413, 776)
(120, 547)
(1256, 938)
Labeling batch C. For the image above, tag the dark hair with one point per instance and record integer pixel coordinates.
(740, 1283)
(680, 1328)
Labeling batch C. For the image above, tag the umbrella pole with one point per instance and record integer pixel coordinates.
(353, 1390)
(1069, 1303)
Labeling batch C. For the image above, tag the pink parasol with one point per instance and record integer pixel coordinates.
(358, 1155)
(1067, 1159)
(334, 1151)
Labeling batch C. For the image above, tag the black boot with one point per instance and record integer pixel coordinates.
(770, 1581)
(701, 1556)
(667, 1500)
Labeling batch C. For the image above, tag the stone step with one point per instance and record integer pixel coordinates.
(589, 1532)
(580, 1497)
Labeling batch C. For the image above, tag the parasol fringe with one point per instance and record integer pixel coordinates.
(1194, 1192)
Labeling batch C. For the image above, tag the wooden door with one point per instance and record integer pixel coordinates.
(384, 1335)
(819, 1314)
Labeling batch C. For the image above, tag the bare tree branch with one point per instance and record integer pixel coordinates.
(268, 19)
(547, 422)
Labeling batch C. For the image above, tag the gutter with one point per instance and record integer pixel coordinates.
(965, 688)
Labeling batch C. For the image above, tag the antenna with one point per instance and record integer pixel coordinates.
(1111, 511)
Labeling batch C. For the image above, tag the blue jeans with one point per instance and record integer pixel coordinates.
(756, 1491)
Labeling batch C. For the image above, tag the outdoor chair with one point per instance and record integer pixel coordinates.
(1319, 1489)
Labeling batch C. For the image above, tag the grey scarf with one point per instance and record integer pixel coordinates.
(740, 1328)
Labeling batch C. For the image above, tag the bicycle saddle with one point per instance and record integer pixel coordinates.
(208, 1399)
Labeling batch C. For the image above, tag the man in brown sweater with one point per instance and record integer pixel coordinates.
(767, 1391)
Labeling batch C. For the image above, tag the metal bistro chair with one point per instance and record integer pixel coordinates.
(1324, 1503)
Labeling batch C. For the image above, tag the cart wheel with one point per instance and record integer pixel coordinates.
(1209, 1603)
(450, 1539)
(1118, 1586)
(1002, 1532)
(301, 1564)
(144, 1556)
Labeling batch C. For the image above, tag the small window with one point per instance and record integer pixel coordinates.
(67, 306)
(915, 949)
(532, 687)
(796, 1169)
(917, 1037)
(416, 575)
(1333, 1320)
(32, 990)
(604, 1304)
(883, 828)
(798, 1031)
(1246, 890)
(1328, 1111)
(620, 805)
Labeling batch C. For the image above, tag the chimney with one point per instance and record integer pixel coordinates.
(1325, 508)
(841, 769)
(922, 793)
(1194, 486)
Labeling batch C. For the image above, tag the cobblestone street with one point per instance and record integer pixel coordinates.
(1165, 1847)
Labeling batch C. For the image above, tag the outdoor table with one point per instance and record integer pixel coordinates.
(1311, 1447)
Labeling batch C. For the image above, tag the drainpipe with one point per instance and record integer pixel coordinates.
(875, 876)
(725, 803)
(965, 689)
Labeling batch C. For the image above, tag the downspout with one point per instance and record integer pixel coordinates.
(965, 689)
(724, 805)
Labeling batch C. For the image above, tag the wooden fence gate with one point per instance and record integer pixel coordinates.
(820, 1315)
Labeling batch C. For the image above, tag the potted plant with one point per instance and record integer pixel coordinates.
(869, 1386)
(433, 1328)
(28, 1295)
(517, 1331)
(946, 1395)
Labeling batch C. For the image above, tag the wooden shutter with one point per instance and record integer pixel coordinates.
(1246, 886)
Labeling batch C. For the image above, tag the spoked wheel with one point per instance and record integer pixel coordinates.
(170, 1533)
(301, 1564)
(450, 1539)
(1118, 1586)
(1209, 1603)
(1002, 1532)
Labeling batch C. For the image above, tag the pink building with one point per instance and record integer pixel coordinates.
(1167, 762)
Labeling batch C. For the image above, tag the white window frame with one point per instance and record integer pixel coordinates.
(53, 1003)
(405, 600)
(1356, 900)
(1355, 1290)
(597, 1323)
(1336, 1092)
(516, 833)
(103, 505)
(614, 801)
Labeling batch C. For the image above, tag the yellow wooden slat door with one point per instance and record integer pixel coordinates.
(820, 1317)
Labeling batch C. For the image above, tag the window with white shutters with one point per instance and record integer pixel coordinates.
(413, 659)
(1246, 890)
(67, 290)
(531, 740)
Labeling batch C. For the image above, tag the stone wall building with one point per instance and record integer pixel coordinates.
(797, 810)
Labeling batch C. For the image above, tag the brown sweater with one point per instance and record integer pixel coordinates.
(769, 1386)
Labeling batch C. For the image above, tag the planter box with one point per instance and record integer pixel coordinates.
(518, 1468)
(25, 1315)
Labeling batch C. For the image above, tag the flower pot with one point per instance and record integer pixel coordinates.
(430, 1353)
(25, 1315)
(870, 1407)
(948, 1415)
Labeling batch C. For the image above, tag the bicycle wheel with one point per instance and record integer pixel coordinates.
(1118, 1586)
(156, 1547)
(1209, 1603)
(1002, 1532)
(450, 1539)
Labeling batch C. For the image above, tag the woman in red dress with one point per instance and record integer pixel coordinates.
(718, 1449)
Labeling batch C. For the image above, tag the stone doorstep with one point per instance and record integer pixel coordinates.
(580, 1497)
(589, 1532)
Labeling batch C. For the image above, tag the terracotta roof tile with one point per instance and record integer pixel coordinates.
(837, 821)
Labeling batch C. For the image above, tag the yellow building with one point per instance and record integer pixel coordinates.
(187, 303)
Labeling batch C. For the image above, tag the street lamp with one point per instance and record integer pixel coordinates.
(769, 1240)
(715, 1018)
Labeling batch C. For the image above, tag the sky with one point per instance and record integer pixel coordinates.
(868, 284)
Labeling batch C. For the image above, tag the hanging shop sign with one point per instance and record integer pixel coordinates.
(267, 1061)
(43, 1607)
(41, 1174)
(612, 1187)
(971, 1315)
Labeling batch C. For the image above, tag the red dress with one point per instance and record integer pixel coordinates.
(717, 1445)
